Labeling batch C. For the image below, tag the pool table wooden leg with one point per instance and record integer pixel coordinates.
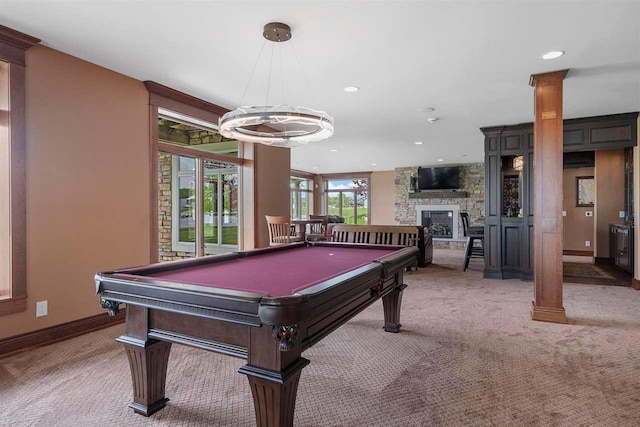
(148, 362)
(274, 393)
(273, 375)
(391, 304)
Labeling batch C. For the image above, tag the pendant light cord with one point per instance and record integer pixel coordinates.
(281, 75)
(303, 73)
(252, 72)
(266, 101)
(282, 85)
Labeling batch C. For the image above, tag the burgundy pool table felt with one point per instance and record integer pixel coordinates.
(280, 273)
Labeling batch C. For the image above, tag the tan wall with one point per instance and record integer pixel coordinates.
(87, 184)
(318, 196)
(271, 188)
(609, 175)
(577, 227)
(382, 198)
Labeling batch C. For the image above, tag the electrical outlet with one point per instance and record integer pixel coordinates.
(589, 213)
(564, 213)
(41, 308)
(587, 243)
(621, 214)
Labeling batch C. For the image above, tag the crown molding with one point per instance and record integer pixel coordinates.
(16, 38)
(13, 45)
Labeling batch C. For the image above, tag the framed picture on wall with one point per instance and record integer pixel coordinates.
(585, 191)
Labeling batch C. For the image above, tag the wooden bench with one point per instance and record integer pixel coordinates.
(403, 235)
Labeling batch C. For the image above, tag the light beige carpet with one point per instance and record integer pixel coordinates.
(468, 355)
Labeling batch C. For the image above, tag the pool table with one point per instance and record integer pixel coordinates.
(265, 306)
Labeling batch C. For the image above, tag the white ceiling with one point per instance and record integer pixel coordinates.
(469, 60)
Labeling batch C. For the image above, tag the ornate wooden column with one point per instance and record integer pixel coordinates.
(547, 190)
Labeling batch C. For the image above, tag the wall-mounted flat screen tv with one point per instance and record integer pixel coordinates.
(442, 178)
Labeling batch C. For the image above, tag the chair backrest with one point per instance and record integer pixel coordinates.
(279, 230)
(404, 235)
(465, 223)
(319, 227)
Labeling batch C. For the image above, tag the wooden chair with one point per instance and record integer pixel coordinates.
(318, 230)
(280, 230)
(473, 234)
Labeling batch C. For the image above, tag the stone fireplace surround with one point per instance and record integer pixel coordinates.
(472, 201)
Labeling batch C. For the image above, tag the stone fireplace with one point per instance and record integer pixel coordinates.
(440, 220)
(469, 198)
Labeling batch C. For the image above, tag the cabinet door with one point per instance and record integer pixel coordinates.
(511, 246)
(512, 142)
(623, 259)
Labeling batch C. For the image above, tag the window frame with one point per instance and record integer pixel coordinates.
(167, 102)
(347, 177)
(296, 194)
(13, 47)
(176, 244)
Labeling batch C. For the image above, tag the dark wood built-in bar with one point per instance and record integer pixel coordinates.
(509, 240)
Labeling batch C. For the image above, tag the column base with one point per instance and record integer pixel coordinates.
(635, 284)
(548, 314)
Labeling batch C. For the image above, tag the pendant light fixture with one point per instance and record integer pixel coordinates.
(276, 125)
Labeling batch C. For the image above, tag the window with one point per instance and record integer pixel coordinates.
(13, 206)
(301, 197)
(195, 183)
(348, 198)
(188, 177)
(220, 206)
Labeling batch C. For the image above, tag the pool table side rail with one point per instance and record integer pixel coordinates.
(162, 267)
(293, 246)
(286, 310)
(241, 308)
(332, 311)
(337, 305)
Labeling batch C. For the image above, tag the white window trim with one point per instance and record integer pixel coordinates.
(355, 195)
(176, 244)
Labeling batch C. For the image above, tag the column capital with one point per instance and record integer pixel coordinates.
(560, 74)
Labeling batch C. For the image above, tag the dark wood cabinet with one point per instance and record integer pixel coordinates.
(508, 203)
(508, 243)
(621, 244)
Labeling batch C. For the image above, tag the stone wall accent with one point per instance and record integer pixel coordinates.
(181, 134)
(471, 181)
(165, 252)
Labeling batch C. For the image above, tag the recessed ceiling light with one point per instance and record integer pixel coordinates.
(351, 89)
(418, 142)
(426, 110)
(315, 167)
(441, 160)
(373, 164)
(333, 150)
(553, 54)
(432, 119)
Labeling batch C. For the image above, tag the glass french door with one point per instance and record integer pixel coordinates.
(220, 207)
(183, 183)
